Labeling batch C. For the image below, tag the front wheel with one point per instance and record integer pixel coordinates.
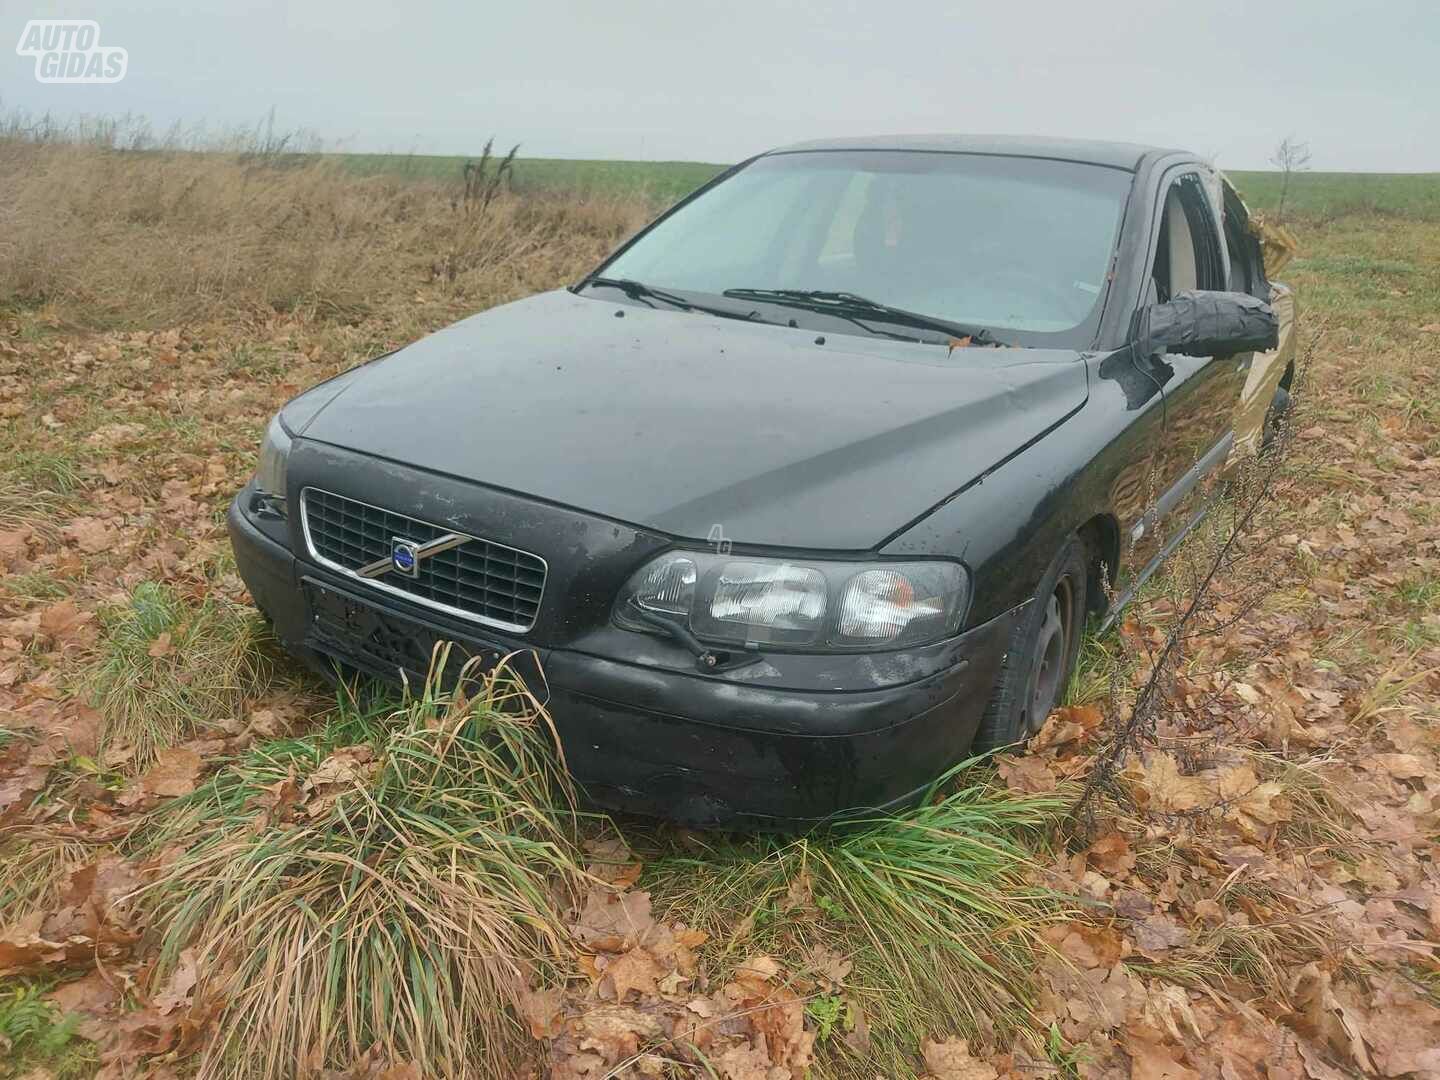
(1042, 652)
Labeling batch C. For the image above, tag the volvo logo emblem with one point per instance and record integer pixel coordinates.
(406, 555)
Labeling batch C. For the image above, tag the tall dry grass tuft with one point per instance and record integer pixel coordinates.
(104, 237)
(169, 669)
(35, 860)
(393, 881)
(22, 506)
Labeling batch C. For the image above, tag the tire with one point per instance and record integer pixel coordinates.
(1042, 651)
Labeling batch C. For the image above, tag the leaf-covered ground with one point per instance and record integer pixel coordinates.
(1262, 898)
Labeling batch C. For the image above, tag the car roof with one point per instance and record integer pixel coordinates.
(1116, 155)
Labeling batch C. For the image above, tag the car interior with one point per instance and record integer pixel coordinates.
(1187, 254)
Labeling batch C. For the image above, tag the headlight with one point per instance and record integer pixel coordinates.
(817, 605)
(274, 457)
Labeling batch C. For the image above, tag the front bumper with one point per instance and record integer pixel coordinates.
(699, 748)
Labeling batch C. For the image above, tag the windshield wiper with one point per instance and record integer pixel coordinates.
(638, 290)
(848, 303)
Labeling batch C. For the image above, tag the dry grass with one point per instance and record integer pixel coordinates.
(96, 236)
(169, 669)
(1319, 823)
(940, 909)
(402, 901)
(22, 506)
(35, 861)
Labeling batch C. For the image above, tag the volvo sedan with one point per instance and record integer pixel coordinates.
(804, 493)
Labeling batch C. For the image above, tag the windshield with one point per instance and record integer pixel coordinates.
(1010, 243)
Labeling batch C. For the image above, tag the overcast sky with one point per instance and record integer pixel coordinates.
(670, 79)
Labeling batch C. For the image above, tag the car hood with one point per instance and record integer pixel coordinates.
(684, 422)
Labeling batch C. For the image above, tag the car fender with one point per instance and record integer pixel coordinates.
(1094, 470)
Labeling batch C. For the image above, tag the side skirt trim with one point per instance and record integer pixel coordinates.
(1152, 566)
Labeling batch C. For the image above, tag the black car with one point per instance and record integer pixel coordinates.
(809, 488)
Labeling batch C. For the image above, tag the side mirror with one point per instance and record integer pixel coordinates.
(1207, 323)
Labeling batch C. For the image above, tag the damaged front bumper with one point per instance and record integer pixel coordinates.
(786, 741)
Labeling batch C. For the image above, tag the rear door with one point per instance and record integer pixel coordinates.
(1266, 369)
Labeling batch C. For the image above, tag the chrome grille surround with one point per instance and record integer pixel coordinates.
(479, 580)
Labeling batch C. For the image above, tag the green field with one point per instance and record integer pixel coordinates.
(1327, 194)
(1321, 194)
(664, 181)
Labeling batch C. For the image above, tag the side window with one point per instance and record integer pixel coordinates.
(1187, 253)
(1245, 269)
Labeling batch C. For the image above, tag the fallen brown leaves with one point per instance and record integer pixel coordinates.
(375, 1064)
(951, 1060)
(1059, 752)
(1253, 807)
(170, 1027)
(22, 777)
(102, 490)
(90, 535)
(65, 625)
(343, 770)
(92, 923)
(1200, 872)
(174, 773)
(646, 1001)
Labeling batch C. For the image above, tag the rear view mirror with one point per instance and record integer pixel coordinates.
(1207, 323)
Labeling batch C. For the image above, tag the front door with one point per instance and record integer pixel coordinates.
(1200, 392)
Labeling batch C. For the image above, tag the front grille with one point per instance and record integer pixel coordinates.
(481, 580)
